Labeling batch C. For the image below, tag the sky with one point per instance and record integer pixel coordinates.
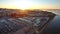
(30, 4)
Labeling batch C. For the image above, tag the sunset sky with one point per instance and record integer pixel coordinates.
(30, 4)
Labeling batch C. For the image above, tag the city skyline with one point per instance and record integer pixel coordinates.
(30, 4)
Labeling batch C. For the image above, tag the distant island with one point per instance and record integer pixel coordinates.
(16, 13)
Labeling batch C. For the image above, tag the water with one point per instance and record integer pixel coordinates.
(54, 26)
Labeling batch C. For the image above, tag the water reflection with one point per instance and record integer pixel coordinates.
(54, 26)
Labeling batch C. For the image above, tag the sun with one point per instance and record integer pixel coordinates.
(22, 4)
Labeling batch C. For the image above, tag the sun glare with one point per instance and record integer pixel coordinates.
(23, 4)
